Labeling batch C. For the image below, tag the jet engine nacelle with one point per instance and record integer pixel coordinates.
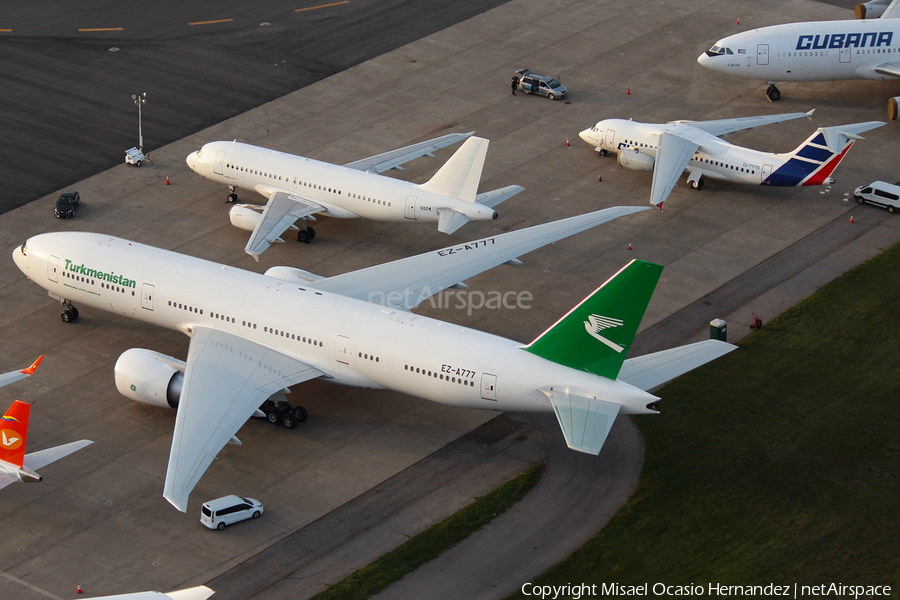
(243, 216)
(894, 108)
(636, 161)
(149, 377)
(871, 10)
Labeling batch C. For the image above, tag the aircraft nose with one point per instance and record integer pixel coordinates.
(703, 59)
(191, 160)
(586, 136)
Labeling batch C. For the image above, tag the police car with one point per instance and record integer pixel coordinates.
(532, 83)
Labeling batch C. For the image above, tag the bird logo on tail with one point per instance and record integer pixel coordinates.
(597, 323)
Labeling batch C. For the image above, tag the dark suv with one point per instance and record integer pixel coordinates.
(65, 206)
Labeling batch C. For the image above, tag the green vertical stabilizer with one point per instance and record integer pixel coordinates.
(595, 335)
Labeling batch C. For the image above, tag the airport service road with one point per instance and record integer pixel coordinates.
(69, 70)
(98, 519)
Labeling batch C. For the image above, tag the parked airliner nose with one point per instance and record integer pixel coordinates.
(586, 136)
(703, 59)
(191, 160)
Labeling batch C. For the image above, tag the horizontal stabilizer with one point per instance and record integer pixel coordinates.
(42, 458)
(648, 371)
(836, 138)
(450, 220)
(460, 176)
(585, 421)
(495, 197)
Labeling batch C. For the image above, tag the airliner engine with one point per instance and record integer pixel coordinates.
(893, 108)
(149, 377)
(636, 161)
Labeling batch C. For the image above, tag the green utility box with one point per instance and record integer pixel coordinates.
(718, 330)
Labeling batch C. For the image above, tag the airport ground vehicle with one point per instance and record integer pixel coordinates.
(65, 206)
(879, 193)
(218, 513)
(135, 156)
(533, 83)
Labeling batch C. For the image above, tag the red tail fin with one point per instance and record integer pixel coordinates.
(13, 431)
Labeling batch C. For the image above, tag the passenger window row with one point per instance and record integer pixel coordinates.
(294, 336)
(369, 357)
(103, 284)
(440, 376)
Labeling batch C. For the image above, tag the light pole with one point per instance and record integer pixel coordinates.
(140, 99)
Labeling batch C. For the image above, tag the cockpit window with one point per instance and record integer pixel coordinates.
(24, 249)
(201, 154)
(716, 51)
(728, 51)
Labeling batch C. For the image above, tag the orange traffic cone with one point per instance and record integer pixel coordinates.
(167, 180)
(628, 92)
(567, 141)
(599, 177)
(738, 21)
(78, 591)
(629, 245)
(851, 218)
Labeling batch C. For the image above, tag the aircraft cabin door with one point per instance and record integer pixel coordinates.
(610, 139)
(845, 54)
(762, 54)
(410, 212)
(488, 387)
(766, 173)
(342, 349)
(53, 268)
(147, 292)
(220, 158)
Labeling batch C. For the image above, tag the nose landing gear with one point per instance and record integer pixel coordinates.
(70, 313)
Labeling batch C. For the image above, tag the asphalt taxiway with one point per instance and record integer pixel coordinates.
(98, 519)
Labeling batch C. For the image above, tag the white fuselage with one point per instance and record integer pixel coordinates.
(353, 342)
(813, 51)
(716, 159)
(344, 192)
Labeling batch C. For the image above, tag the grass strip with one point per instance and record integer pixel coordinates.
(778, 463)
(429, 544)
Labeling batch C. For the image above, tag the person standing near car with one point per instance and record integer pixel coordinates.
(515, 84)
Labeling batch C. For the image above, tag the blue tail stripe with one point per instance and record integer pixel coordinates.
(814, 153)
(792, 173)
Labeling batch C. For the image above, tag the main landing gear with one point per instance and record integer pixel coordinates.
(772, 93)
(70, 313)
(232, 196)
(603, 152)
(306, 235)
(280, 412)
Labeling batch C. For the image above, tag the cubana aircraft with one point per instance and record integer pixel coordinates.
(15, 465)
(254, 335)
(298, 187)
(814, 51)
(695, 147)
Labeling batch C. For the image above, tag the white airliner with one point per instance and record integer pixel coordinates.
(254, 335)
(814, 51)
(299, 187)
(695, 147)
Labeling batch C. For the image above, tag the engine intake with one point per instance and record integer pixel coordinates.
(149, 377)
(636, 161)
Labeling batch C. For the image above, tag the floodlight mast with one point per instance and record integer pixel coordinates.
(140, 99)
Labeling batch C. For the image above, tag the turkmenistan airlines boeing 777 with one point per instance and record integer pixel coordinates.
(254, 335)
(299, 187)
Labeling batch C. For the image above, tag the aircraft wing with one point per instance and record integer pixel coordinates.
(200, 592)
(672, 156)
(42, 458)
(723, 127)
(406, 282)
(281, 211)
(648, 371)
(14, 376)
(892, 69)
(393, 159)
(226, 379)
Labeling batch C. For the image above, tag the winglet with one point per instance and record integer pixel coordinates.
(810, 114)
(30, 370)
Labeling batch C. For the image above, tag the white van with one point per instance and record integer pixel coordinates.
(218, 513)
(879, 193)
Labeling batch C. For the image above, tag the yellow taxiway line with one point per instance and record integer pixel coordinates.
(212, 22)
(322, 6)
